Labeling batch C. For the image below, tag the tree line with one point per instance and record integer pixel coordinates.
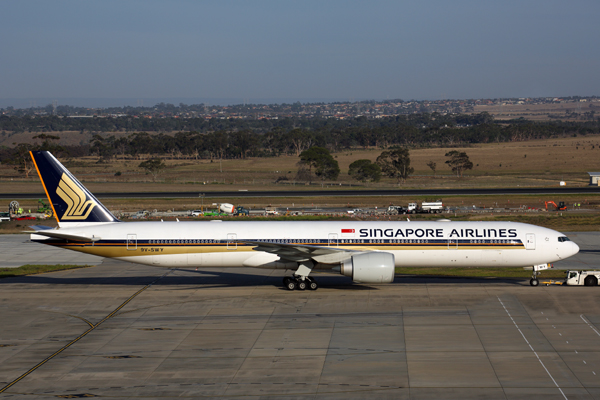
(291, 136)
(414, 128)
(318, 162)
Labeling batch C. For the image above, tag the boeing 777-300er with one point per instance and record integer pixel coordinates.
(366, 251)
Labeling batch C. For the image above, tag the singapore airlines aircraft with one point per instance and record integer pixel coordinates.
(366, 251)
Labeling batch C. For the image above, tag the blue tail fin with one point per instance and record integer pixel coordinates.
(70, 200)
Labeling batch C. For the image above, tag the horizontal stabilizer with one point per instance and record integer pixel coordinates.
(40, 227)
(66, 236)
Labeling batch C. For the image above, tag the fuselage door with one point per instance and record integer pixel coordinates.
(333, 240)
(131, 241)
(231, 241)
(452, 244)
(530, 241)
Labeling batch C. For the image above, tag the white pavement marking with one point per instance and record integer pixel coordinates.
(534, 352)
(590, 325)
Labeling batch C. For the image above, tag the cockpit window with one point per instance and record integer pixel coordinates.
(563, 239)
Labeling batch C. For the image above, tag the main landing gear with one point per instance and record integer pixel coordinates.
(300, 280)
(296, 282)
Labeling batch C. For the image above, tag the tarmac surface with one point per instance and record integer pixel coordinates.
(334, 190)
(129, 331)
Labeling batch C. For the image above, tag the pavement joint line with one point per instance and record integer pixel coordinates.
(590, 325)
(92, 327)
(531, 347)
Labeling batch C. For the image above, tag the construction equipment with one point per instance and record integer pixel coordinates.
(560, 207)
(239, 210)
(44, 208)
(13, 207)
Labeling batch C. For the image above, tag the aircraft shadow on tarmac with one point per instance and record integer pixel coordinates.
(190, 277)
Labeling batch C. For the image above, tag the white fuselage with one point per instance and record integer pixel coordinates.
(415, 244)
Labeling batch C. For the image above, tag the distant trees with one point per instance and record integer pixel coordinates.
(19, 155)
(432, 165)
(365, 171)
(395, 163)
(458, 162)
(295, 134)
(299, 140)
(154, 166)
(223, 138)
(319, 159)
(21, 158)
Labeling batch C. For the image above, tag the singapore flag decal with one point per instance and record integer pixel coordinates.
(347, 232)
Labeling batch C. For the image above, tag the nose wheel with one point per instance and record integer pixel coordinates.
(296, 282)
(534, 280)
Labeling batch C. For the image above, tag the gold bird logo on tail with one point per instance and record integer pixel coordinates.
(77, 206)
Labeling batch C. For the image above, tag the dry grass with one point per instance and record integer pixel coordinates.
(36, 269)
(538, 112)
(520, 164)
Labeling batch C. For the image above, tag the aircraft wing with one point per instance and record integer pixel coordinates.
(300, 252)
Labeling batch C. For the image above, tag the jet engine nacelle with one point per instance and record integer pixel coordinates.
(371, 267)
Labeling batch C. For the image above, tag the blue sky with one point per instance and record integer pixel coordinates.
(262, 51)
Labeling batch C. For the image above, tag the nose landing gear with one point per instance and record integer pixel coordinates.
(536, 272)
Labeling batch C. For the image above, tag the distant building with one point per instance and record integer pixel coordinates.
(594, 178)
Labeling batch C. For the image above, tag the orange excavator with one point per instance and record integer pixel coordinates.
(560, 207)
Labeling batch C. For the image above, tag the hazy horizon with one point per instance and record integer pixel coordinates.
(309, 51)
(150, 102)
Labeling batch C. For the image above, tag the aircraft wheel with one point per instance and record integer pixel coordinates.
(290, 284)
(312, 285)
(301, 285)
(534, 282)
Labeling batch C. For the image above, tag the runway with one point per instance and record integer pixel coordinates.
(123, 330)
(332, 190)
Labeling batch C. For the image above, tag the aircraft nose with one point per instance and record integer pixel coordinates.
(574, 248)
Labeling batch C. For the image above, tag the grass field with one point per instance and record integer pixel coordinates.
(36, 269)
(540, 112)
(519, 164)
(515, 164)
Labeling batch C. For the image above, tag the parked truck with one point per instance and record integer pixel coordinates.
(239, 210)
(585, 278)
(395, 210)
(426, 207)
